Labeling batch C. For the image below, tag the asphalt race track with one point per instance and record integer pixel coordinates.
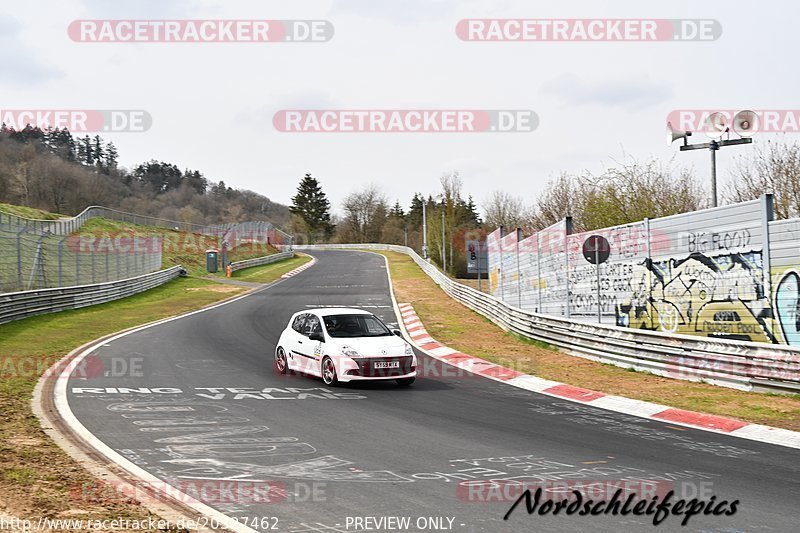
(375, 450)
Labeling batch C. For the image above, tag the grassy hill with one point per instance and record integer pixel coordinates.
(29, 212)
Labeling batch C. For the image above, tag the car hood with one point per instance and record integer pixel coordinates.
(374, 346)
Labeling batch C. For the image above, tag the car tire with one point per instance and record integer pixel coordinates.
(281, 363)
(328, 372)
(405, 382)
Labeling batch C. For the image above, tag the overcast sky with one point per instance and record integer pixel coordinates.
(212, 104)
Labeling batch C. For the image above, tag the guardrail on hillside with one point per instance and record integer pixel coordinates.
(259, 261)
(18, 305)
(746, 366)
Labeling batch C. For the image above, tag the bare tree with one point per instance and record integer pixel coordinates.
(364, 216)
(636, 190)
(774, 168)
(563, 196)
(503, 209)
(630, 192)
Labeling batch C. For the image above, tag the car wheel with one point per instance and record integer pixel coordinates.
(329, 372)
(405, 382)
(281, 364)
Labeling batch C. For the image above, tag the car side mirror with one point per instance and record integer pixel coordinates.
(316, 336)
(397, 332)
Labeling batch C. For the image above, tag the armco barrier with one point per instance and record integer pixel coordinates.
(18, 305)
(746, 366)
(259, 261)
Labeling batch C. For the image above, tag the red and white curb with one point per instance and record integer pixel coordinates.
(619, 404)
(299, 269)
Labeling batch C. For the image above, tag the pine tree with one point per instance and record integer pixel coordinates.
(311, 205)
(111, 158)
(397, 210)
(98, 152)
(471, 212)
(415, 212)
(87, 150)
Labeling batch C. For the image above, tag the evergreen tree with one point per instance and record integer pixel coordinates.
(196, 180)
(159, 175)
(313, 207)
(98, 151)
(415, 212)
(397, 210)
(112, 158)
(88, 151)
(471, 215)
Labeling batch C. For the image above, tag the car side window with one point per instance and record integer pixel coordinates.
(312, 326)
(299, 323)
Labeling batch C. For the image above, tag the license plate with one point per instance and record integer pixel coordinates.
(387, 364)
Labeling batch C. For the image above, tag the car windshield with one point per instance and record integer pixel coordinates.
(355, 326)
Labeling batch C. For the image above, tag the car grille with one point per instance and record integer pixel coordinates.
(366, 367)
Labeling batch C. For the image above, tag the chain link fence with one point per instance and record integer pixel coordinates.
(66, 226)
(31, 259)
(40, 254)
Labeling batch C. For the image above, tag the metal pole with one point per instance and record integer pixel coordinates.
(713, 146)
(597, 268)
(501, 270)
(444, 246)
(61, 262)
(519, 274)
(405, 235)
(19, 259)
(424, 231)
(767, 216)
(538, 272)
(479, 265)
(649, 270)
(566, 264)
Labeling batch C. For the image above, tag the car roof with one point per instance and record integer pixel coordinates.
(328, 311)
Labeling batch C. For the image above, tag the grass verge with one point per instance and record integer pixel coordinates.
(37, 478)
(271, 272)
(452, 324)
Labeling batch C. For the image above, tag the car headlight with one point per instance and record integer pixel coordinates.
(350, 352)
(409, 349)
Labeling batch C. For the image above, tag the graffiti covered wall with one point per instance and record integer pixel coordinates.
(729, 272)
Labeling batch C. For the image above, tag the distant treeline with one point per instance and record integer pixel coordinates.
(55, 171)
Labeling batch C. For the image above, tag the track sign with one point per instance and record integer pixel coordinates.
(596, 249)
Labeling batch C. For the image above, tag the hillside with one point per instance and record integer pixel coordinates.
(50, 170)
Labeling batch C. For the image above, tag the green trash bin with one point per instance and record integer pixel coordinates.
(212, 261)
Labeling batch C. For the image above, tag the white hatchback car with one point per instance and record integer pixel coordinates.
(341, 345)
